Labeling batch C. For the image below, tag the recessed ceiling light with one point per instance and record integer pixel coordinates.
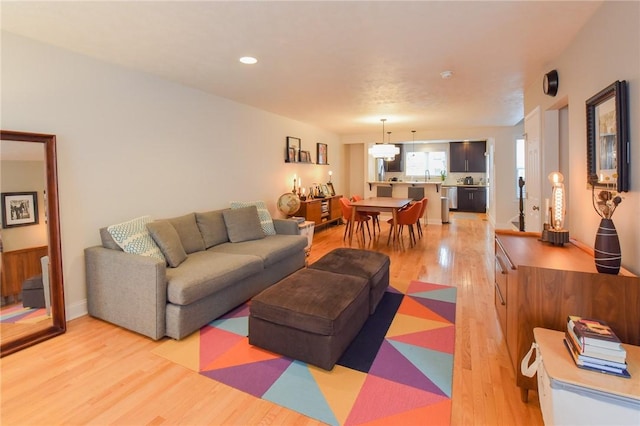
(249, 60)
(446, 74)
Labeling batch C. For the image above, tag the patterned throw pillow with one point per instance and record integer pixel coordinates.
(134, 237)
(265, 217)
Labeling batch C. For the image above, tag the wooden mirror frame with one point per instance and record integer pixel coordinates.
(59, 325)
(618, 92)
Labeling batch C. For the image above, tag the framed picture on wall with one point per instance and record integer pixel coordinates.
(322, 153)
(293, 150)
(19, 209)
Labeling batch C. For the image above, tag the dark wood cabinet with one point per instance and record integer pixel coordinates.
(538, 285)
(397, 164)
(321, 210)
(472, 199)
(467, 156)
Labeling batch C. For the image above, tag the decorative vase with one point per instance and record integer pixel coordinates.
(607, 248)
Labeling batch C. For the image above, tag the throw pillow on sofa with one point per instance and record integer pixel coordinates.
(133, 237)
(167, 238)
(243, 224)
(265, 217)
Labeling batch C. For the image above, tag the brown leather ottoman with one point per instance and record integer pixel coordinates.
(311, 315)
(368, 264)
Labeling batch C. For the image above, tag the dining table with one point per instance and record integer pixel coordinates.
(379, 204)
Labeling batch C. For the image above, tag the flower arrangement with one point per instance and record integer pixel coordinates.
(605, 202)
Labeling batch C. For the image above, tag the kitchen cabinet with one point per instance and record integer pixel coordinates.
(321, 211)
(467, 156)
(539, 285)
(472, 199)
(397, 164)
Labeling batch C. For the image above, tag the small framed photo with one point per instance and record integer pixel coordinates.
(291, 155)
(293, 144)
(325, 190)
(322, 153)
(19, 209)
(305, 157)
(332, 190)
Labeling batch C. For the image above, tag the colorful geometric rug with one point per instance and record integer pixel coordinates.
(17, 314)
(398, 370)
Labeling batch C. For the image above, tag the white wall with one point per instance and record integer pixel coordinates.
(24, 176)
(607, 49)
(503, 204)
(131, 144)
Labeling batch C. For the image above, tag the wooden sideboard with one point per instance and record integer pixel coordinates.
(538, 285)
(17, 266)
(321, 210)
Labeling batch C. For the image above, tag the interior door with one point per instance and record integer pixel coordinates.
(533, 183)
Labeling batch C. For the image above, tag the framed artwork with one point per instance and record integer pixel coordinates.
(608, 137)
(305, 157)
(332, 190)
(291, 155)
(322, 153)
(19, 209)
(293, 150)
(325, 190)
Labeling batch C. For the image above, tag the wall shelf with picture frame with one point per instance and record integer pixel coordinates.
(294, 152)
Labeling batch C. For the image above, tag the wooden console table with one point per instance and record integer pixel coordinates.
(539, 285)
(322, 211)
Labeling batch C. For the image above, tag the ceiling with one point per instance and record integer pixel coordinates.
(337, 65)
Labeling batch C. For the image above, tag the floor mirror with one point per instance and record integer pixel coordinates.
(32, 296)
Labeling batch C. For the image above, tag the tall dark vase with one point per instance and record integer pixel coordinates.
(607, 248)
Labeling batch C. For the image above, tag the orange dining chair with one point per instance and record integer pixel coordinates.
(425, 200)
(347, 209)
(375, 216)
(408, 217)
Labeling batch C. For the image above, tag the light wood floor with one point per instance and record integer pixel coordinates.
(100, 374)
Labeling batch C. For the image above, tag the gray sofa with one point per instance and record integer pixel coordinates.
(219, 262)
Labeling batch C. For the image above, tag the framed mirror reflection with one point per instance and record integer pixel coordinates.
(608, 138)
(32, 299)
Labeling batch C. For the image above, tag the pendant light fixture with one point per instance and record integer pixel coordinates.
(384, 150)
(413, 145)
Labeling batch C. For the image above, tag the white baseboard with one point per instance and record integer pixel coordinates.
(76, 310)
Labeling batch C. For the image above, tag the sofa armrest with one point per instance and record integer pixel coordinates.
(127, 290)
(286, 227)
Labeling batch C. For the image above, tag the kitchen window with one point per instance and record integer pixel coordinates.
(418, 163)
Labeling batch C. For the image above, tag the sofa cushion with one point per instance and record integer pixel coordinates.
(204, 273)
(265, 217)
(271, 249)
(243, 224)
(132, 236)
(189, 233)
(108, 241)
(167, 238)
(212, 228)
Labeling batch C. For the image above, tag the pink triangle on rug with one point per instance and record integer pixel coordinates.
(383, 398)
(438, 339)
(214, 342)
(419, 287)
(438, 414)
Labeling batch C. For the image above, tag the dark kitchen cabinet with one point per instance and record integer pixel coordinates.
(467, 156)
(472, 199)
(397, 164)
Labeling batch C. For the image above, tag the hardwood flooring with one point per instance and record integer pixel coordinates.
(100, 374)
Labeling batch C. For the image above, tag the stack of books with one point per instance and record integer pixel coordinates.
(594, 346)
(298, 219)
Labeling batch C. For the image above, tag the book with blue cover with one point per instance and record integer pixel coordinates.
(600, 368)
